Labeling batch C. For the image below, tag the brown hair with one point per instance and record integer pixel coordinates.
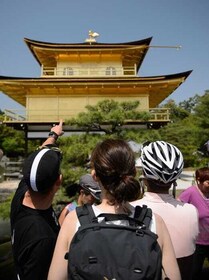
(114, 164)
(202, 174)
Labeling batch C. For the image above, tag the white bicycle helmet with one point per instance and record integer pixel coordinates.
(161, 161)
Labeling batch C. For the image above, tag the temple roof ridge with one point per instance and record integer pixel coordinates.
(29, 42)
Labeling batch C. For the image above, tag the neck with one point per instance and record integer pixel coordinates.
(157, 190)
(153, 186)
(108, 207)
(37, 200)
(80, 201)
(204, 194)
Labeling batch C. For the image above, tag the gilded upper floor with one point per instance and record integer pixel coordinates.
(89, 59)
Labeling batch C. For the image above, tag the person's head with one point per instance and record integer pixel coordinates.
(202, 179)
(89, 190)
(41, 170)
(162, 164)
(113, 163)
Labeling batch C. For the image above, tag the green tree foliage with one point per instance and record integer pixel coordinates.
(177, 113)
(202, 117)
(189, 132)
(190, 104)
(184, 135)
(11, 141)
(13, 146)
(108, 116)
(142, 135)
(76, 154)
(5, 207)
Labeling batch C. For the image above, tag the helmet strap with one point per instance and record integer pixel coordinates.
(174, 189)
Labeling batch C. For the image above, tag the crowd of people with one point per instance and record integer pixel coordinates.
(40, 240)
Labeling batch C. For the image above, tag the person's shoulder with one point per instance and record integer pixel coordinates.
(72, 214)
(32, 218)
(189, 209)
(159, 220)
(138, 202)
(186, 205)
(190, 191)
(69, 227)
(29, 220)
(71, 206)
(70, 219)
(160, 225)
(20, 191)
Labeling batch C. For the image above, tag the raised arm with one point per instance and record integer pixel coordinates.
(55, 132)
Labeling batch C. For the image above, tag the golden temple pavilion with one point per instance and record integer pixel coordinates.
(73, 75)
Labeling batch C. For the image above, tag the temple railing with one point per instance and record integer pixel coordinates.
(157, 115)
(130, 71)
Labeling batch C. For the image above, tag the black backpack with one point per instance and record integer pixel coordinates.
(106, 251)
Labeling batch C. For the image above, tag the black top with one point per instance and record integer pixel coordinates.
(34, 234)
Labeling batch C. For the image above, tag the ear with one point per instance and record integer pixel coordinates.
(59, 180)
(197, 180)
(93, 174)
(81, 191)
(146, 182)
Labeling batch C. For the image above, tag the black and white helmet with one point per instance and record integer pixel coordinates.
(161, 161)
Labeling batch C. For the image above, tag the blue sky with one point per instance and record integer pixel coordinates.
(169, 22)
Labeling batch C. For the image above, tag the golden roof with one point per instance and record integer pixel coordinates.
(157, 87)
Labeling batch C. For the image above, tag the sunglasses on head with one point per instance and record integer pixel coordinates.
(86, 192)
(90, 191)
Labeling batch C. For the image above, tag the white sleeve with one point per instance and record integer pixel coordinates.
(153, 224)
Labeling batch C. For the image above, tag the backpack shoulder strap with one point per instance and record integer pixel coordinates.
(85, 214)
(143, 214)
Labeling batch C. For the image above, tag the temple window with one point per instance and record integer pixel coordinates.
(68, 71)
(110, 70)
